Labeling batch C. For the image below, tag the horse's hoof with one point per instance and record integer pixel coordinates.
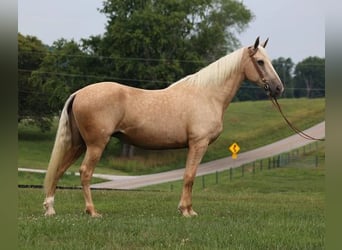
(93, 213)
(187, 212)
(50, 212)
(96, 215)
(48, 206)
(192, 213)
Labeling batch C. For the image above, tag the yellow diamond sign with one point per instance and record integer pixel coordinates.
(234, 148)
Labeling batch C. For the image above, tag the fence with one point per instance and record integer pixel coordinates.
(309, 156)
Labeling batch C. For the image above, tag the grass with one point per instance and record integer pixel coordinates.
(250, 124)
(281, 208)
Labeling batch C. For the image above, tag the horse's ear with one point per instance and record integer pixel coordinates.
(265, 43)
(256, 44)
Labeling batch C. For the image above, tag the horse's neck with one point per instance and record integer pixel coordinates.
(219, 86)
(224, 93)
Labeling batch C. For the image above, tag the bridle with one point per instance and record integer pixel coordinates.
(252, 52)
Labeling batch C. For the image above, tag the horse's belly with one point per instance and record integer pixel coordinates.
(154, 138)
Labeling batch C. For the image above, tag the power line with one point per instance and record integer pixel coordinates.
(100, 57)
(150, 81)
(93, 76)
(119, 78)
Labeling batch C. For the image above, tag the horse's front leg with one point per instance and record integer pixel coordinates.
(195, 154)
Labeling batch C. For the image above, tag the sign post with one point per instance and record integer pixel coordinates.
(234, 148)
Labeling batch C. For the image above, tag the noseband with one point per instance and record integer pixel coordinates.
(257, 68)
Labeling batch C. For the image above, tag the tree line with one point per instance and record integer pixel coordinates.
(147, 44)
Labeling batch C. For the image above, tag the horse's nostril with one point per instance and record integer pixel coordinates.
(278, 89)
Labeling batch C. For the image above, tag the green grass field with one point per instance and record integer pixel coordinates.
(250, 124)
(281, 208)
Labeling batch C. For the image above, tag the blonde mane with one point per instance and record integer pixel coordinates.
(216, 72)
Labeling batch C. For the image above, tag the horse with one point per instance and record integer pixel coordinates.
(186, 114)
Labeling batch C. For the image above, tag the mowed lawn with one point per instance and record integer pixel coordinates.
(281, 208)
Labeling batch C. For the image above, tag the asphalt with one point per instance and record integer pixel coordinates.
(276, 148)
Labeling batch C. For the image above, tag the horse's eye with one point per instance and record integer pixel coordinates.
(261, 62)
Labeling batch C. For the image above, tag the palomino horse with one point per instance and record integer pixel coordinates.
(189, 113)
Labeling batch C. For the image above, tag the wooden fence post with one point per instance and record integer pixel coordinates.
(316, 161)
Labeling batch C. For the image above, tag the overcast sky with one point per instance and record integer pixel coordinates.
(296, 28)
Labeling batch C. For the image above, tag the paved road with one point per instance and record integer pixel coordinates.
(285, 145)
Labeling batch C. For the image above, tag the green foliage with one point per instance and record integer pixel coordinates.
(310, 77)
(55, 76)
(32, 104)
(284, 68)
(162, 41)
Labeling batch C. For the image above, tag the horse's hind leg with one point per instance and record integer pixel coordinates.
(92, 156)
(70, 157)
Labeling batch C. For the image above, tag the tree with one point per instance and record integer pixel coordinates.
(284, 68)
(158, 42)
(248, 92)
(32, 104)
(63, 70)
(309, 78)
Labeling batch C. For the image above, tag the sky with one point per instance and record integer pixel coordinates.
(296, 28)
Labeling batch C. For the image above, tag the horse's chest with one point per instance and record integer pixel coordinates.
(206, 129)
(215, 131)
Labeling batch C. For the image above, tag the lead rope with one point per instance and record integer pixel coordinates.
(298, 131)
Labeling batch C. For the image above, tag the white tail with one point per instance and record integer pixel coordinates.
(61, 146)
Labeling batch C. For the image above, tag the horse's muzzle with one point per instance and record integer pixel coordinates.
(273, 90)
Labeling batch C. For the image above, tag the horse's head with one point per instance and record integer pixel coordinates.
(259, 69)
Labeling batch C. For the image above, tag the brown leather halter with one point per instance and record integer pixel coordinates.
(252, 52)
